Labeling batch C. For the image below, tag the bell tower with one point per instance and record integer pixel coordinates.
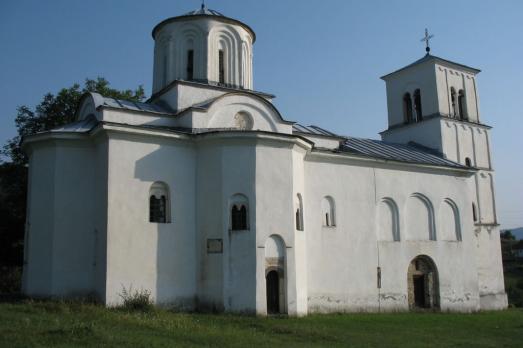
(434, 102)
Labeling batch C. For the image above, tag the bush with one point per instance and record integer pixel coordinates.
(135, 300)
(10, 280)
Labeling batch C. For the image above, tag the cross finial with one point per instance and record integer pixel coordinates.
(427, 40)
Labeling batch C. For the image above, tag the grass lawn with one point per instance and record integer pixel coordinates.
(38, 324)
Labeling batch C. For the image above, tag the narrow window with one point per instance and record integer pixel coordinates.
(298, 206)
(239, 213)
(221, 67)
(474, 213)
(417, 105)
(239, 218)
(453, 102)
(407, 108)
(327, 208)
(298, 220)
(468, 163)
(190, 65)
(159, 203)
(461, 105)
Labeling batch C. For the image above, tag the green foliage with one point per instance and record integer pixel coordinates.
(507, 235)
(57, 110)
(11, 280)
(137, 300)
(37, 324)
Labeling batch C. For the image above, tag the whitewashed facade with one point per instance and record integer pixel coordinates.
(207, 197)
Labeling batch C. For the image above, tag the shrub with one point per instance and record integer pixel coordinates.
(135, 300)
(10, 280)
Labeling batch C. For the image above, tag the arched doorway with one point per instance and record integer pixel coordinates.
(275, 275)
(423, 284)
(273, 292)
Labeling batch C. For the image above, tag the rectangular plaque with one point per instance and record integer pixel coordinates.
(214, 246)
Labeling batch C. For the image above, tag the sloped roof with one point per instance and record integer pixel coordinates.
(411, 153)
(313, 130)
(134, 106)
(429, 57)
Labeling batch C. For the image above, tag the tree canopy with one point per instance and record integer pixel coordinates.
(57, 110)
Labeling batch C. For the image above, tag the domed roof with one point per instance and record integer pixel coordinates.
(204, 12)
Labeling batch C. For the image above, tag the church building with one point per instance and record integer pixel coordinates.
(209, 198)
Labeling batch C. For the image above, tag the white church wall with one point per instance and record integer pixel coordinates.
(448, 78)
(40, 221)
(60, 240)
(351, 288)
(490, 269)
(74, 234)
(342, 259)
(420, 77)
(427, 133)
(158, 257)
(457, 277)
(210, 225)
(275, 217)
(238, 168)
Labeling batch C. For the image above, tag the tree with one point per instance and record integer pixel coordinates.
(53, 111)
(57, 110)
(507, 235)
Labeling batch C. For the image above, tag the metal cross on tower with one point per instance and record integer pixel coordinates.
(427, 39)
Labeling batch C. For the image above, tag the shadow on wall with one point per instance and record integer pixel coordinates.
(167, 175)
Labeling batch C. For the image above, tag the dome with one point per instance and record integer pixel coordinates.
(204, 11)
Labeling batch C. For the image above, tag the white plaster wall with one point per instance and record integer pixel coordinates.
(343, 260)
(74, 235)
(238, 166)
(448, 78)
(40, 221)
(151, 256)
(60, 239)
(427, 133)
(422, 77)
(275, 191)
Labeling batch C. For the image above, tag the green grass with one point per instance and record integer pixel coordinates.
(41, 324)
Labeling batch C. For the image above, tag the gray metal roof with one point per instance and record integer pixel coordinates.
(204, 11)
(411, 153)
(134, 106)
(313, 130)
(429, 57)
(81, 126)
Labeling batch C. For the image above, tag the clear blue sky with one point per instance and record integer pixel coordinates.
(322, 59)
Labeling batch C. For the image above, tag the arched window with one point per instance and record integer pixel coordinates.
(417, 105)
(453, 111)
(389, 222)
(298, 212)
(327, 209)
(221, 66)
(407, 108)
(159, 203)
(468, 163)
(190, 65)
(474, 212)
(239, 213)
(461, 105)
